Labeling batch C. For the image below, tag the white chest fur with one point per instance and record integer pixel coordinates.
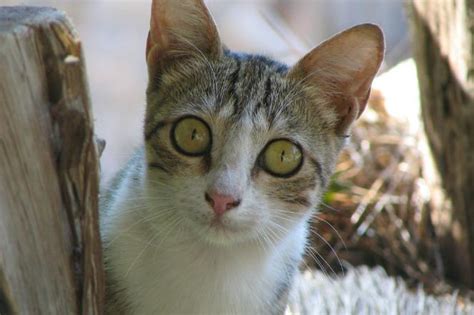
(175, 273)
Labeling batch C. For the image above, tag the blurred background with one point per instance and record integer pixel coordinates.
(114, 34)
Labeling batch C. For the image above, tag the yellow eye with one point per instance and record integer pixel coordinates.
(191, 136)
(282, 158)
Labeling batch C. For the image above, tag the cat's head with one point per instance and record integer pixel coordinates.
(239, 146)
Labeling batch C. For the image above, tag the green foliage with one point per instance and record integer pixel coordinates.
(335, 186)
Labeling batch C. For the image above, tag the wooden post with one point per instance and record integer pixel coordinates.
(444, 53)
(50, 250)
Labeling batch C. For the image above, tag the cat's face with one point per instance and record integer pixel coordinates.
(262, 143)
(240, 147)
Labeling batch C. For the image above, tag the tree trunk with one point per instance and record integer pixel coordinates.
(444, 53)
(50, 250)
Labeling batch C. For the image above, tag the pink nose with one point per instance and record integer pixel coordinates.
(221, 203)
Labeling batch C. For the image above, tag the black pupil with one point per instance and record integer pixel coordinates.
(193, 135)
(282, 156)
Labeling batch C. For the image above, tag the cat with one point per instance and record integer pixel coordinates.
(211, 215)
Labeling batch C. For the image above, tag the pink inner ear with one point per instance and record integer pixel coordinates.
(348, 111)
(344, 67)
(363, 103)
(148, 45)
(177, 27)
(157, 22)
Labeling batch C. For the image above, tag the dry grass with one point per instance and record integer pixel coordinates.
(377, 209)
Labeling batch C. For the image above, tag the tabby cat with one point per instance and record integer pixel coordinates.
(211, 215)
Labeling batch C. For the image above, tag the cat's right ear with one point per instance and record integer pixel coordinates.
(180, 28)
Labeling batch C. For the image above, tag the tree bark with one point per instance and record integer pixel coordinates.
(50, 250)
(443, 33)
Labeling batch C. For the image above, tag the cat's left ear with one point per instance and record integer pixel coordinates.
(181, 28)
(341, 70)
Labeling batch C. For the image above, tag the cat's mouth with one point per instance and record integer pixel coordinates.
(220, 225)
(221, 231)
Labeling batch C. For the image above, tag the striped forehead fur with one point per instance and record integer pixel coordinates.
(251, 92)
(239, 84)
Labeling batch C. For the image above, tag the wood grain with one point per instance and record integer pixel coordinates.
(50, 254)
(444, 45)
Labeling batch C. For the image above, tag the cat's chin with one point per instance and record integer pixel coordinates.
(224, 240)
(222, 235)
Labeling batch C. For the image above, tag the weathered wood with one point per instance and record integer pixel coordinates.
(50, 252)
(444, 52)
